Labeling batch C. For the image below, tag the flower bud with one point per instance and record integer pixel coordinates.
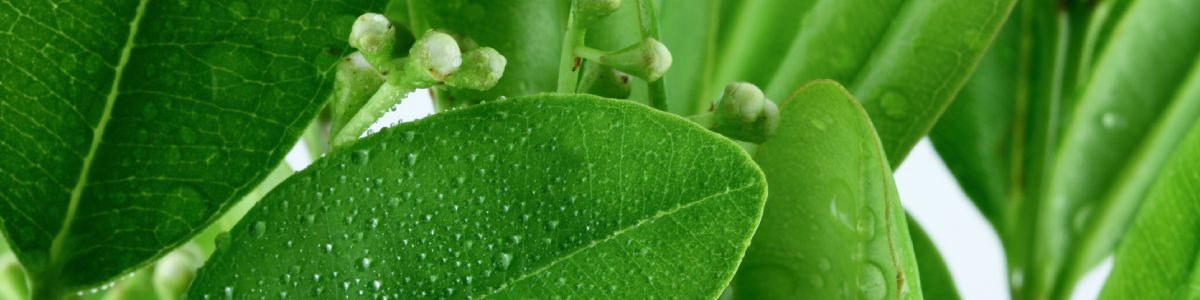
(603, 81)
(745, 114)
(435, 56)
(174, 272)
(648, 59)
(374, 36)
(587, 12)
(481, 69)
(12, 278)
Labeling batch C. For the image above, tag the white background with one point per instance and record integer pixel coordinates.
(927, 189)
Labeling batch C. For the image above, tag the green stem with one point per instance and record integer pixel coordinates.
(657, 90)
(568, 71)
(387, 96)
(441, 98)
(315, 139)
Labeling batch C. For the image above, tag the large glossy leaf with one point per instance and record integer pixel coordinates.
(527, 33)
(1158, 257)
(833, 227)
(905, 60)
(128, 126)
(556, 195)
(1142, 97)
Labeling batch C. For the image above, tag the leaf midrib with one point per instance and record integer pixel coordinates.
(614, 235)
(56, 246)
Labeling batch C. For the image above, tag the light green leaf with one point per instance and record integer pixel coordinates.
(905, 60)
(1157, 258)
(833, 227)
(1142, 97)
(128, 126)
(690, 31)
(555, 195)
(527, 33)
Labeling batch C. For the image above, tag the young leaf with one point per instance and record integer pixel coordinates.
(834, 227)
(553, 195)
(1157, 258)
(904, 60)
(130, 125)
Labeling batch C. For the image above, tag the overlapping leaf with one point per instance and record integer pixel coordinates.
(556, 195)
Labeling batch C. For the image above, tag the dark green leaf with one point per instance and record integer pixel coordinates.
(1157, 259)
(128, 126)
(833, 228)
(526, 198)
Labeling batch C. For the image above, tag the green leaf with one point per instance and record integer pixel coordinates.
(527, 33)
(936, 282)
(905, 60)
(755, 34)
(532, 197)
(128, 126)
(1142, 97)
(833, 227)
(1157, 259)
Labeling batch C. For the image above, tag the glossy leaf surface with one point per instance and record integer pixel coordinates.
(1157, 259)
(833, 227)
(128, 126)
(554, 195)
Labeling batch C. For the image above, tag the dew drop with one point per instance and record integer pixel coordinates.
(259, 229)
(360, 157)
(871, 283)
(503, 260)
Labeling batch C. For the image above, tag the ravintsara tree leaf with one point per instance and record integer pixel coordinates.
(690, 29)
(905, 60)
(834, 227)
(554, 195)
(527, 33)
(1157, 258)
(129, 125)
(1142, 97)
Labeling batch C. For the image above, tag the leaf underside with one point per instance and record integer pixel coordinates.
(554, 195)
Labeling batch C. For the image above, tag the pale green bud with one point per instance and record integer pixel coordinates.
(648, 59)
(744, 113)
(587, 12)
(374, 36)
(13, 284)
(435, 56)
(481, 69)
(175, 271)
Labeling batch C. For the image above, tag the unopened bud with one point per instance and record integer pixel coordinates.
(648, 59)
(481, 69)
(744, 113)
(174, 272)
(374, 36)
(435, 56)
(587, 12)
